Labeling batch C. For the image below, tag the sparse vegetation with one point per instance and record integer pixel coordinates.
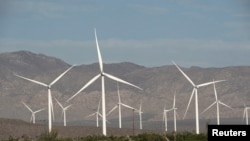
(53, 136)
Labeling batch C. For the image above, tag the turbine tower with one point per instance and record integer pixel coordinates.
(63, 111)
(175, 113)
(195, 92)
(48, 86)
(119, 104)
(33, 117)
(217, 102)
(102, 74)
(245, 114)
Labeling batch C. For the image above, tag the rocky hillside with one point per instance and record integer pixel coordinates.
(159, 85)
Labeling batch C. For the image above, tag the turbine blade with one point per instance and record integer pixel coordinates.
(164, 116)
(112, 110)
(209, 83)
(140, 106)
(118, 93)
(189, 103)
(67, 107)
(85, 86)
(215, 93)
(168, 110)
(59, 103)
(62, 114)
(27, 107)
(98, 53)
(127, 106)
(31, 80)
(31, 118)
(208, 107)
(174, 100)
(100, 114)
(185, 75)
(61, 75)
(39, 110)
(244, 113)
(99, 105)
(177, 115)
(107, 121)
(120, 80)
(225, 105)
(91, 115)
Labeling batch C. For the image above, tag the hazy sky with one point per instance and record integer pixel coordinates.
(206, 33)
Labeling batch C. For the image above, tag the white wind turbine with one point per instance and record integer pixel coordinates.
(48, 86)
(165, 119)
(140, 113)
(119, 104)
(165, 115)
(175, 113)
(63, 111)
(195, 92)
(102, 74)
(97, 114)
(33, 117)
(245, 113)
(217, 102)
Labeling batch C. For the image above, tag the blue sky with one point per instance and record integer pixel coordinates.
(150, 33)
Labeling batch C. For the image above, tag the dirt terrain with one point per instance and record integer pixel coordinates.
(19, 128)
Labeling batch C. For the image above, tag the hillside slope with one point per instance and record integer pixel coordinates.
(159, 85)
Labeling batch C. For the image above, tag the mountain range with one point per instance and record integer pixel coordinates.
(159, 85)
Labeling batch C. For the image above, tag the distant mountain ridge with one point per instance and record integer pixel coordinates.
(159, 85)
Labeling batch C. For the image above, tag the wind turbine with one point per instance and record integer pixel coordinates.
(195, 92)
(245, 114)
(217, 102)
(102, 74)
(63, 111)
(140, 112)
(97, 114)
(48, 86)
(175, 113)
(33, 117)
(119, 104)
(165, 120)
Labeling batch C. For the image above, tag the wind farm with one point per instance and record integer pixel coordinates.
(195, 92)
(133, 96)
(48, 86)
(191, 57)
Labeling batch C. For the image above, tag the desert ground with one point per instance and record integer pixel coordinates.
(18, 128)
